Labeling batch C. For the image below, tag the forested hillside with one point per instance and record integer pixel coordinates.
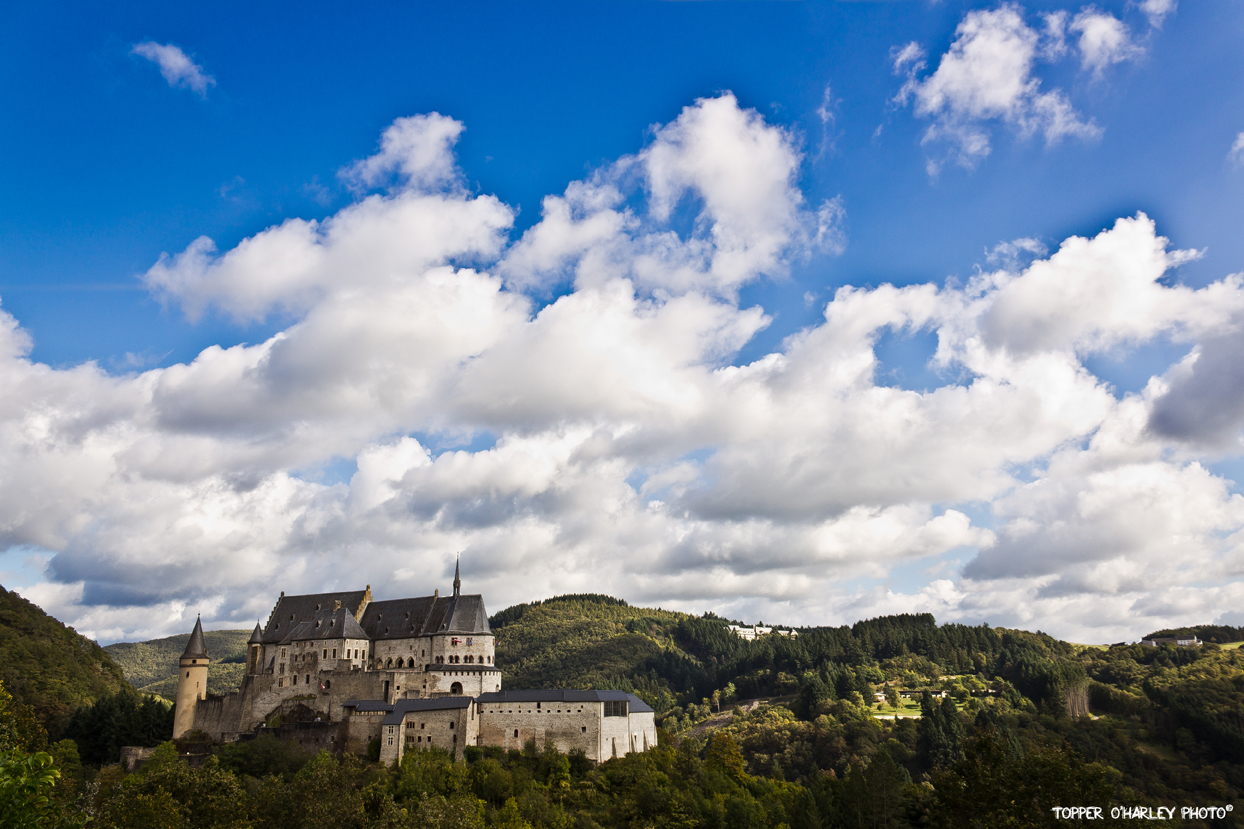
(48, 666)
(892, 722)
(151, 667)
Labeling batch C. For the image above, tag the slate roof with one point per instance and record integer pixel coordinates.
(291, 611)
(196, 648)
(423, 616)
(256, 636)
(403, 706)
(327, 624)
(367, 705)
(637, 705)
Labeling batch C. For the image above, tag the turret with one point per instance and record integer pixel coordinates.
(254, 651)
(191, 681)
(457, 580)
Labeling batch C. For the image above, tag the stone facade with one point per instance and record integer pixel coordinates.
(601, 724)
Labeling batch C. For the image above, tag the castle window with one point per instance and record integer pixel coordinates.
(282, 653)
(516, 732)
(325, 654)
(295, 680)
(334, 653)
(308, 679)
(583, 728)
(451, 725)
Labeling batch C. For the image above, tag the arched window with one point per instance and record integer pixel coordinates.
(456, 689)
(389, 664)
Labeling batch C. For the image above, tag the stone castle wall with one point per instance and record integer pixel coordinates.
(242, 711)
(451, 729)
(576, 726)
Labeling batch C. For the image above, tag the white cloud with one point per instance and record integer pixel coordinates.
(733, 174)
(419, 149)
(1236, 154)
(615, 441)
(987, 76)
(1158, 10)
(175, 66)
(1104, 40)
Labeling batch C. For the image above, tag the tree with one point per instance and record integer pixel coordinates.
(724, 756)
(891, 697)
(989, 788)
(27, 782)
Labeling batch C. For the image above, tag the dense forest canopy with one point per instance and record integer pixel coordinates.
(50, 667)
(891, 722)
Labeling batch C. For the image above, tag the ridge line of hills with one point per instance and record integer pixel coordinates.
(834, 699)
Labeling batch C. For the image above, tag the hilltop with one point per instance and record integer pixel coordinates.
(151, 666)
(48, 666)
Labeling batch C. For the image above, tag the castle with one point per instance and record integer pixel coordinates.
(413, 673)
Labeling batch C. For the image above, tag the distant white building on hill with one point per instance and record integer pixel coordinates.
(1187, 641)
(750, 632)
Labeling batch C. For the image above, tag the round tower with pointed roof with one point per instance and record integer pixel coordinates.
(191, 681)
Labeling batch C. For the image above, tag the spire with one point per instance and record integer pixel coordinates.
(257, 636)
(457, 579)
(196, 648)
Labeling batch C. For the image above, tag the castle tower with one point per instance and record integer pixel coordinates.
(191, 681)
(254, 651)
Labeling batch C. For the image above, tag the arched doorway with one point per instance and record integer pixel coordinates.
(456, 689)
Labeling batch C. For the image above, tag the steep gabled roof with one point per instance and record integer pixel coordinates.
(426, 615)
(196, 648)
(292, 611)
(327, 624)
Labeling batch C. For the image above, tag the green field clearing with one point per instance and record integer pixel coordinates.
(907, 708)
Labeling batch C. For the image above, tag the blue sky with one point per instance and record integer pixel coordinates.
(868, 124)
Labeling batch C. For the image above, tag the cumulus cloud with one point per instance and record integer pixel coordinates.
(987, 75)
(178, 69)
(610, 434)
(1104, 40)
(731, 174)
